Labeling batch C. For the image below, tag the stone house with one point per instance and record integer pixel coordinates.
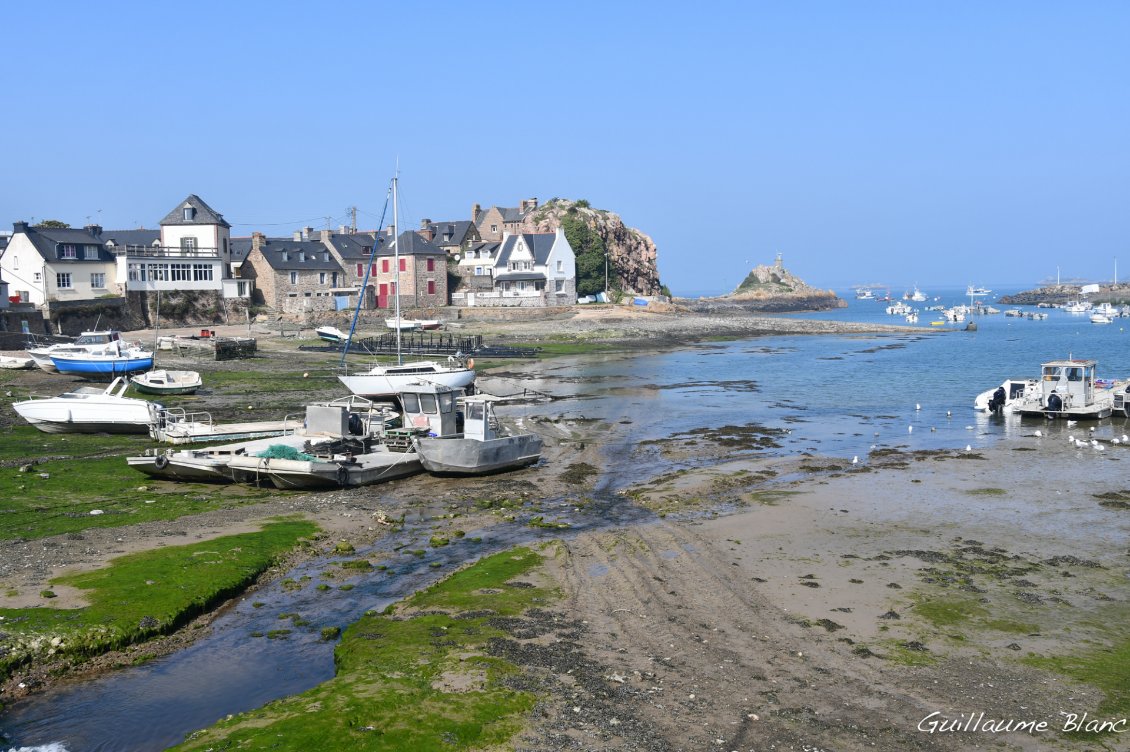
(475, 267)
(422, 273)
(354, 253)
(46, 264)
(453, 237)
(493, 223)
(293, 276)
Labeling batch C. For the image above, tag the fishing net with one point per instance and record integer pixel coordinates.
(284, 452)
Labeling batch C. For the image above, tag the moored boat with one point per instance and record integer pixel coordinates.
(98, 341)
(482, 447)
(330, 334)
(1070, 389)
(115, 361)
(162, 381)
(390, 380)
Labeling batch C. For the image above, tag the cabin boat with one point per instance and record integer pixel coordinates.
(1069, 389)
(330, 334)
(114, 361)
(1099, 318)
(391, 380)
(481, 448)
(90, 410)
(1004, 398)
(87, 342)
(162, 381)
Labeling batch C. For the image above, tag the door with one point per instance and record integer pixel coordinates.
(382, 296)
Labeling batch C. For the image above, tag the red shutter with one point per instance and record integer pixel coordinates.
(431, 264)
(384, 265)
(403, 265)
(431, 285)
(360, 270)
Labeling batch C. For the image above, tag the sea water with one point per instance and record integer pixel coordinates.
(834, 395)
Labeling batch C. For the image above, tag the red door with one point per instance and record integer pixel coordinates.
(382, 296)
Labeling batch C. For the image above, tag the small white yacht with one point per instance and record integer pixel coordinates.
(90, 410)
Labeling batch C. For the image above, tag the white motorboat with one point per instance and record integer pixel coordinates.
(348, 465)
(1100, 318)
(974, 291)
(482, 447)
(1004, 398)
(404, 325)
(917, 296)
(864, 293)
(1078, 306)
(91, 410)
(13, 363)
(330, 334)
(1014, 313)
(87, 342)
(162, 381)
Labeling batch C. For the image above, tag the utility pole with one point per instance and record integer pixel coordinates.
(353, 220)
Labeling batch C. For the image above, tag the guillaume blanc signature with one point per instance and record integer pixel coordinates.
(937, 723)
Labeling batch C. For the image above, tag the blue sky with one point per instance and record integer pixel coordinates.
(893, 142)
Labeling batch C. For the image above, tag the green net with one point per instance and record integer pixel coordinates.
(284, 452)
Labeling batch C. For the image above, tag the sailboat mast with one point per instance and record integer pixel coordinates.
(396, 262)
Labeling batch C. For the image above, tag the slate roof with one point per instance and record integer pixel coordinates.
(314, 252)
(205, 215)
(123, 238)
(411, 244)
(48, 240)
(353, 247)
(457, 228)
(239, 248)
(491, 246)
(539, 244)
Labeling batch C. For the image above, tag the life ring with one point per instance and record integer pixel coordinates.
(160, 462)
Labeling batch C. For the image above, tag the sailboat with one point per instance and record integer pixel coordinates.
(390, 380)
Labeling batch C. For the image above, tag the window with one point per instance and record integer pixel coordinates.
(285, 256)
(431, 264)
(180, 272)
(68, 252)
(189, 214)
(360, 270)
(373, 268)
(188, 246)
(98, 280)
(63, 280)
(38, 277)
(294, 278)
(202, 272)
(559, 285)
(494, 228)
(334, 277)
(384, 265)
(241, 287)
(403, 264)
(431, 287)
(158, 272)
(90, 252)
(321, 278)
(225, 246)
(478, 270)
(560, 266)
(15, 262)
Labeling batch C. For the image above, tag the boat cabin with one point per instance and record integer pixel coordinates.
(431, 406)
(1067, 384)
(478, 419)
(98, 338)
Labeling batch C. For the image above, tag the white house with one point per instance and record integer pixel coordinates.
(192, 252)
(42, 264)
(529, 269)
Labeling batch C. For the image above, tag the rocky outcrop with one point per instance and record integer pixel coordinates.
(1065, 293)
(632, 256)
(771, 289)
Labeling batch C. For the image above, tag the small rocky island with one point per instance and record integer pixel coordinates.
(1116, 294)
(770, 289)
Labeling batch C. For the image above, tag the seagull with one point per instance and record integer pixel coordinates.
(969, 447)
(917, 406)
(855, 460)
(969, 428)
(948, 413)
(1038, 434)
(1100, 447)
(1080, 444)
(1115, 440)
(1125, 439)
(1094, 443)
(1071, 438)
(933, 429)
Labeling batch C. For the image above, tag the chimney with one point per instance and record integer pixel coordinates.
(18, 227)
(426, 232)
(306, 232)
(476, 210)
(324, 235)
(258, 240)
(298, 236)
(94, 230)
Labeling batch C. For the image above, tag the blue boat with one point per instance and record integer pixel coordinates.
(103, 364)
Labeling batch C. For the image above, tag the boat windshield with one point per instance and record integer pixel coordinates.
(428, 404)
(446, 402)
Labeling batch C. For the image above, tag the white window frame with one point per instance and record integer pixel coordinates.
(68, 251)
(63, 281)
(98, 280)
(90, 253)
(294, 278)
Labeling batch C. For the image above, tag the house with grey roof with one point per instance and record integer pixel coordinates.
(191, 251)
(498, 220)
(43, 264)
(294, 276)
(529, 270)
(413, 266)
(453, 237)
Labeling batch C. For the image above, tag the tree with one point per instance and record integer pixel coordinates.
(589, 249)
(52, 224)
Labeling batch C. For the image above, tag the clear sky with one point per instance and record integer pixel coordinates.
(894, 142)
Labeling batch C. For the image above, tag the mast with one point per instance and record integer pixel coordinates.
(396, 261)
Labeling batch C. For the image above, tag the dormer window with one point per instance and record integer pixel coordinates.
(285, 256)
(68, 252)
(189, 214)
(302, 255)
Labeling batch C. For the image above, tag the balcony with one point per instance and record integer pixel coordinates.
(149, 251)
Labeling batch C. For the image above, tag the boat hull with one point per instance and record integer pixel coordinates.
(383, 384)
(313, 475)
(102, 367)
(167, 382)
(461, 456)
(59, 415)
(173, 467)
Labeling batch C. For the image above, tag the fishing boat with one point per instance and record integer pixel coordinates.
(162, 381)
(330, 334)
(1004, 398)
(1069, 389)
(14, 363)
(88, 342)
(391, 380)
(90, 410)
(114, 361)
(917, 296)
(864, 293)
(481, 448)
(204, 463)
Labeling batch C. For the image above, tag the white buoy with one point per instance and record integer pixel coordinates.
(910, 429)
(948, 413)
(1092, 429)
